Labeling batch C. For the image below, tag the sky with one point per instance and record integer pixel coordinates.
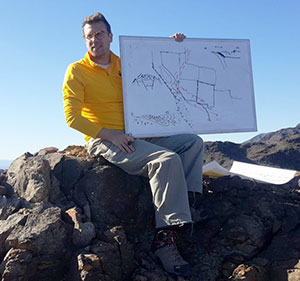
(39, 39)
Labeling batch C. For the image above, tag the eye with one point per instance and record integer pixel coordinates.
(96, 35)
(90, 36)
(99, 34)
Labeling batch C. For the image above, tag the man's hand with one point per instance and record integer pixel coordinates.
(119, 139)
(179, 37)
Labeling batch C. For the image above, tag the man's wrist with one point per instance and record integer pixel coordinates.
(106, 134)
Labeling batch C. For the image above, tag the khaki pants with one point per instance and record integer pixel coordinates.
(173, 165)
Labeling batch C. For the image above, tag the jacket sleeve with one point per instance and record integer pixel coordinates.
(73, 97)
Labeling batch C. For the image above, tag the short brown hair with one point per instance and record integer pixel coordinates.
(98, 17)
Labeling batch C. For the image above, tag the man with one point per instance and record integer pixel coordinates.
(94, 106)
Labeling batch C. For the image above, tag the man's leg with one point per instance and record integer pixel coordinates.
(190, 148)
(165, 172)
(169, 190)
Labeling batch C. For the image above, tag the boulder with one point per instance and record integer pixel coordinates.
(8, 205)
(30, 177)
(41, 235)
(114, 198)
(16, 265)
(66, 216)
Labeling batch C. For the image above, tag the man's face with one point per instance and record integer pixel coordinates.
(97, 41)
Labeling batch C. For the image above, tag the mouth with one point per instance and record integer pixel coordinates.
(95, 48)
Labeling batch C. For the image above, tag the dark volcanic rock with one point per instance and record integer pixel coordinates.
(30, 177)
(99, 187)
(39, 236)
(70, 218)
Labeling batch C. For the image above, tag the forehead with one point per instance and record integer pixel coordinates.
(94, 27)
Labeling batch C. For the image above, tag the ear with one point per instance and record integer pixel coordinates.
(110, 35)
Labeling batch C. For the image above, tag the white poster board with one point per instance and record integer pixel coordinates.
(199, 86)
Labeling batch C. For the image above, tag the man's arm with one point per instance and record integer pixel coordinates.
(73, 90)
(73, 97)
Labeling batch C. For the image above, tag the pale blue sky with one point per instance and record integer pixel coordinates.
(38, 39)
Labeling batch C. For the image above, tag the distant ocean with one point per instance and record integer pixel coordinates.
(4, 164)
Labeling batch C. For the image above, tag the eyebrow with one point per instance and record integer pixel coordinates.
(96, 32)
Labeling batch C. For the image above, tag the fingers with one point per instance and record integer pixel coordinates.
(130, 138)
(124, 142)
(130, 147)
(127, 148)
(179, 37)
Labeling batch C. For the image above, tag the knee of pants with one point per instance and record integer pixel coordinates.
(169, 157)
(197, 141)
(166, 161)
(174, 161)
(174, 157)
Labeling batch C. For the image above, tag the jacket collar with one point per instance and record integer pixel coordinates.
(87, 58)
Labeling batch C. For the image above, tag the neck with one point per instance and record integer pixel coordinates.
(100, 60)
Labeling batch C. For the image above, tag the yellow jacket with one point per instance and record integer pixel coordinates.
(93, 96)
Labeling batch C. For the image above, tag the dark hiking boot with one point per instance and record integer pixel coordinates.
(165, 248)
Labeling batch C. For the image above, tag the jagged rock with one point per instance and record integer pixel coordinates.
(43, 231)
(15, 265)
(278, 149)
(83, 232)
(89, 266)
(4, 190)
(116, 255)
(54, 159)
(108, 260)
(30, 177)
(94, 212)
(16, 166)
(69, 171)
(76, 150)
(243, 234)
(285, 270)
(113, 196)
(3, 176)
(47, 150)
(246, 273)
(117, 235)
(40, 231)
(13, 223)
(8, 205)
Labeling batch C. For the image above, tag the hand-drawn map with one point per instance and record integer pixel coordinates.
(197, 86)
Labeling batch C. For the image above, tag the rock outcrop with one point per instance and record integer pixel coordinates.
(66, 216)
(278, 149)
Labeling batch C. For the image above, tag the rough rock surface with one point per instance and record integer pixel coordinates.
(277, 149)
(65, 216)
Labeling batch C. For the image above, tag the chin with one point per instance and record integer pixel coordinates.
(94, 54)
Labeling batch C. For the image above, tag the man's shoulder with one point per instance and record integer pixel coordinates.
(77, 68)
(77, 64)
(114, 56)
